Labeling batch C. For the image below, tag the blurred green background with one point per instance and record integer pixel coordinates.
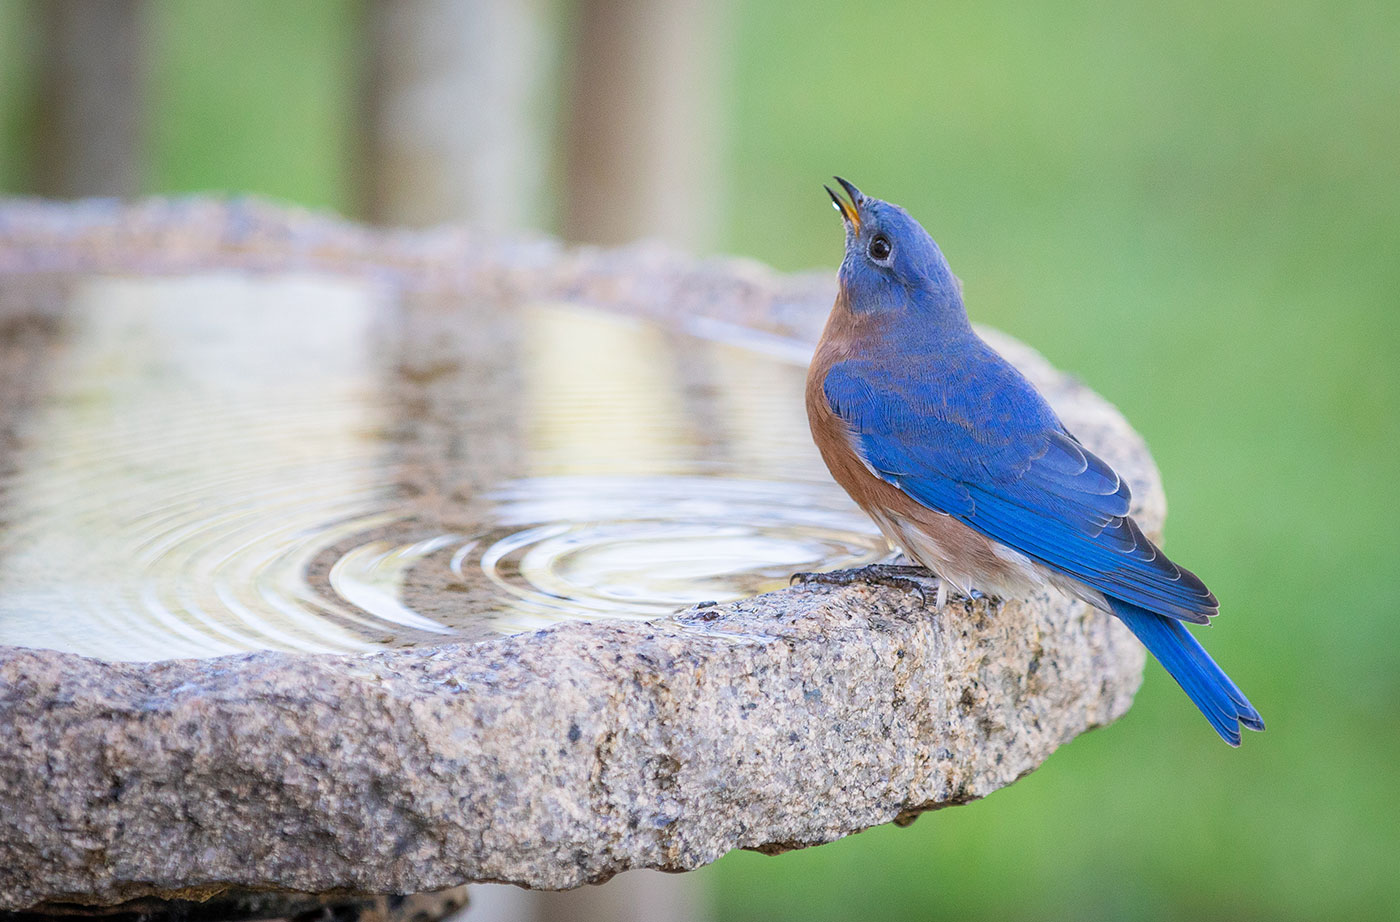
(1194, 206)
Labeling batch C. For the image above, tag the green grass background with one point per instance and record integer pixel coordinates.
(1196, 207)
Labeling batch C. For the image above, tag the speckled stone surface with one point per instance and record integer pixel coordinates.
(551, 758)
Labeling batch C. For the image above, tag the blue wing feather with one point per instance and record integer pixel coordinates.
(1015, 475)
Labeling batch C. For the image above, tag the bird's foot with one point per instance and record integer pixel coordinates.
(896, 576)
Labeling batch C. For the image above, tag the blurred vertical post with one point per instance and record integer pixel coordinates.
(453, 112)
(645, 121)
(637, 896)
(89, 135)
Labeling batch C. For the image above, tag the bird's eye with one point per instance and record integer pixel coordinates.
(879, 248)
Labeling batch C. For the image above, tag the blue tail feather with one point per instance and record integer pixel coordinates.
(1205, 683)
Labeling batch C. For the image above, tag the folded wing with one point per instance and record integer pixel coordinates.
(997, 458)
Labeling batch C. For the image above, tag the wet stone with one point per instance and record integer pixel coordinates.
(371, 562)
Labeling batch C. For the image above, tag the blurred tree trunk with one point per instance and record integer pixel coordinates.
(453, 127)
(645, 131)
(91, 100)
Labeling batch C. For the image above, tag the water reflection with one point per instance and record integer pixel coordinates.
(222, 463)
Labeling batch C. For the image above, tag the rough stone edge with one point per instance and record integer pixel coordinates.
(365, 774)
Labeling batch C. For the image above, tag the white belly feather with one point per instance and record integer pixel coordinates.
(1016, 574)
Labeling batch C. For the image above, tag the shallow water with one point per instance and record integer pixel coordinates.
(219, 463)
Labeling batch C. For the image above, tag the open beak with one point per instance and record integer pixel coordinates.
(850, 211)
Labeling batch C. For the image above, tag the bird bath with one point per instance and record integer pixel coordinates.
(372, 562)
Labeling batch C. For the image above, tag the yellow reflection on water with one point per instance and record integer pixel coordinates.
(600, 394)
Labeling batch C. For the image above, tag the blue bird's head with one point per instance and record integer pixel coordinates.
(891, 262)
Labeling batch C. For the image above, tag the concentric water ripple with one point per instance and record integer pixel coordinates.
(218, 464)
(612, 546)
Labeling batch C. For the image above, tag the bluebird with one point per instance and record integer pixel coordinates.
(963, 465)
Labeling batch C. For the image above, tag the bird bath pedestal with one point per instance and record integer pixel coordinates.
(343, 561)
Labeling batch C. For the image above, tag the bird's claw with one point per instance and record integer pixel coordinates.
(896, 576)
